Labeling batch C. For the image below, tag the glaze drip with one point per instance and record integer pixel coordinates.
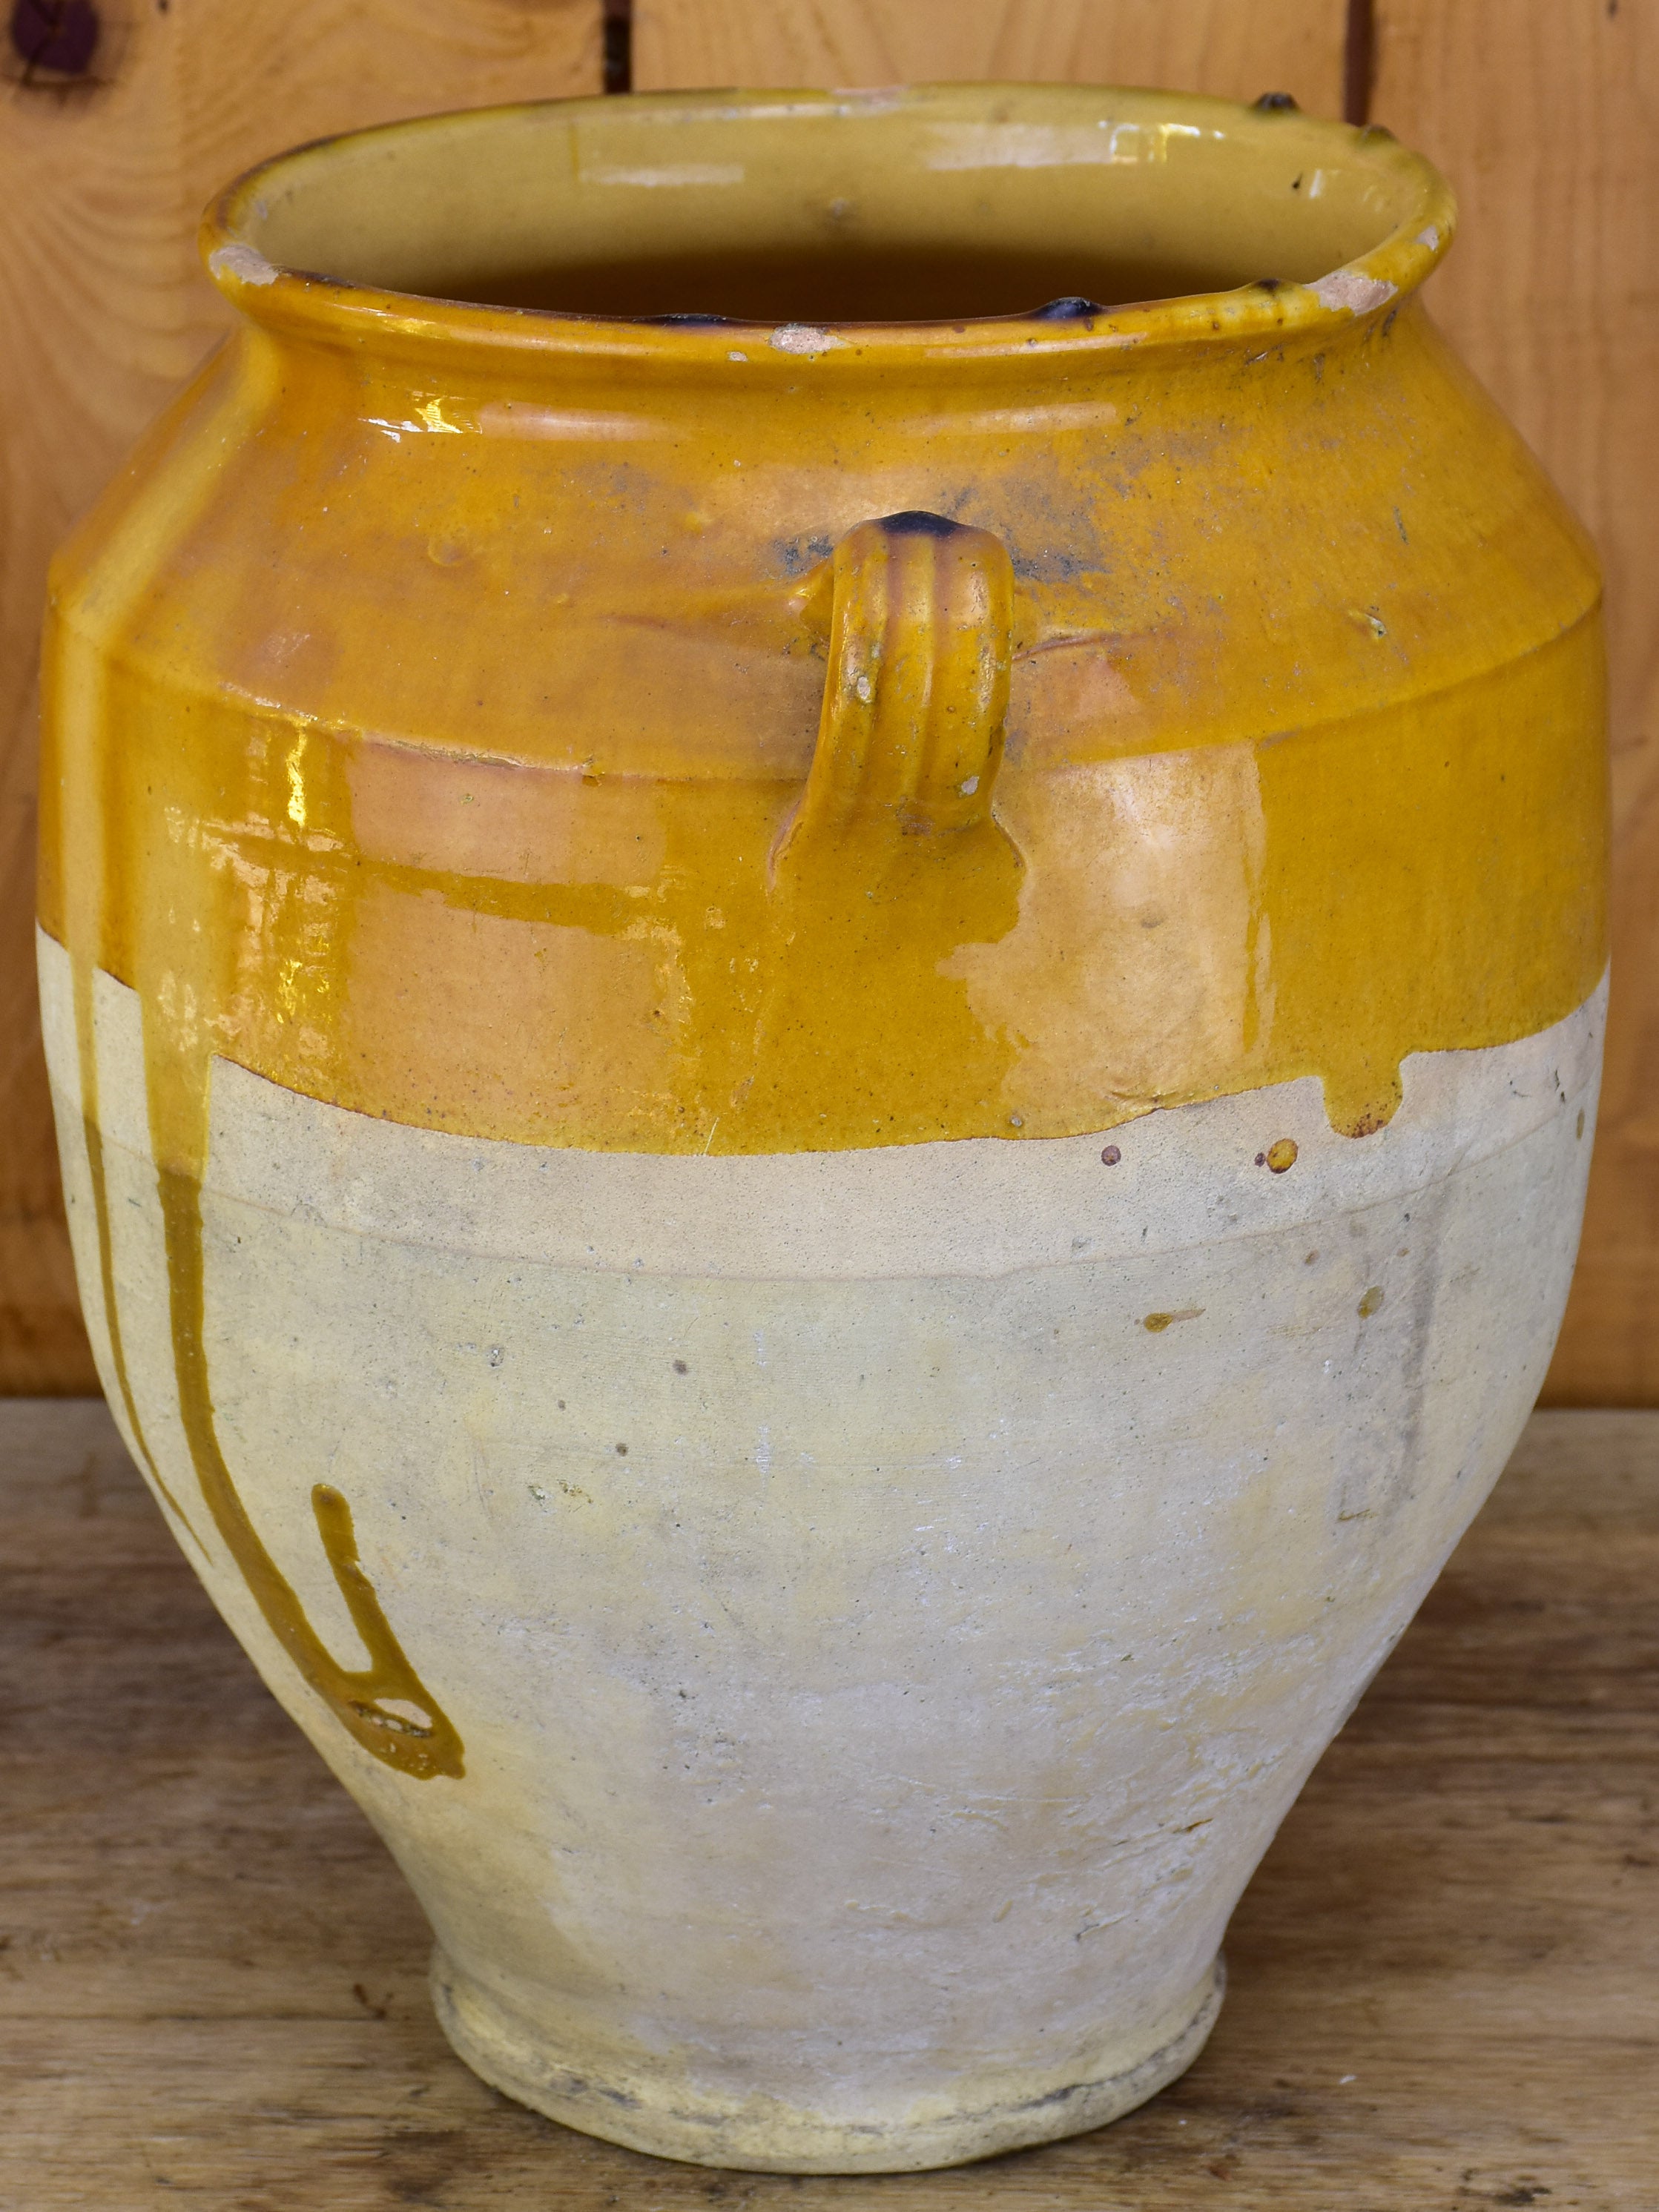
(93, 1135)
(182, 990)
(423, 1747)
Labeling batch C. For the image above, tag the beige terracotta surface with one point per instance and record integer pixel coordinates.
(1444, 1979)
(878, 1676)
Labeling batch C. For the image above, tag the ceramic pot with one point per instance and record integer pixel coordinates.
(825, 1031)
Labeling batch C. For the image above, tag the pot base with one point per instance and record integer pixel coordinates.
(764, 2136)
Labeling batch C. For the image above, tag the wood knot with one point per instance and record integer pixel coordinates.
(54, 39)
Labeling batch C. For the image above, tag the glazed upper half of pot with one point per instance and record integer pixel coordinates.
(431, 704)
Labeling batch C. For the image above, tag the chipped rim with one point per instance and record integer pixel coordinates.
(332, 310)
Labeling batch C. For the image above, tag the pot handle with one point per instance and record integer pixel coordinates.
(910, 735)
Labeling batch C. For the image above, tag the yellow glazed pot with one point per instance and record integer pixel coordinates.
(825, 1031)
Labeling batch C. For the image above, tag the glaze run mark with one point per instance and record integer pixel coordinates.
(92, 1128)
(421, 1743)
(1280, 1156)
(385, 1706)
(1372, 1302)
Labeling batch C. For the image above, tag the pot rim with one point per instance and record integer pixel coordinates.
(309, 304)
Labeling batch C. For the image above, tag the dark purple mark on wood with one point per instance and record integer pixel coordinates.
(619, 46)
(59, 35)
(1358, 61)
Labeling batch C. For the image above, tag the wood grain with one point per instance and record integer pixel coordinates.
(103, 312)
(1546, 117)
(1202, 46)
(1445, 1976)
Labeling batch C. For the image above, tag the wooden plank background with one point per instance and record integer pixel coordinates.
(1545, 113)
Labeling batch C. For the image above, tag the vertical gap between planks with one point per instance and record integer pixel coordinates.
(619, 46)
(1358, 61)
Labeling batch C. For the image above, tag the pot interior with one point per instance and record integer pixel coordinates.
(938, 204)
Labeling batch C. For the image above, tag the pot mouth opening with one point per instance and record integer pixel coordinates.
(976, 218)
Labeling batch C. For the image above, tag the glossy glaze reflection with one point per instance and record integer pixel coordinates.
(483, 775)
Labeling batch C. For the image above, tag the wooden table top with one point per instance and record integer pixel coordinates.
(1445, 1976)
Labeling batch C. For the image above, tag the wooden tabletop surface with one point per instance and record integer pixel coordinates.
(1444, 1979)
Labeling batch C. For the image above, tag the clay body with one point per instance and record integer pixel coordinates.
(825, 1081)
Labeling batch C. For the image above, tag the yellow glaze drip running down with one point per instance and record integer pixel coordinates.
(735, 737)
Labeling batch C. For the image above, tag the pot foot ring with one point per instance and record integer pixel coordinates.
(648, 2112)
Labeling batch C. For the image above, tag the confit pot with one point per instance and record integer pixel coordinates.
(825, 1030)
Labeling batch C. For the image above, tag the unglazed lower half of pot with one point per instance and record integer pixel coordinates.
(872, 1609)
